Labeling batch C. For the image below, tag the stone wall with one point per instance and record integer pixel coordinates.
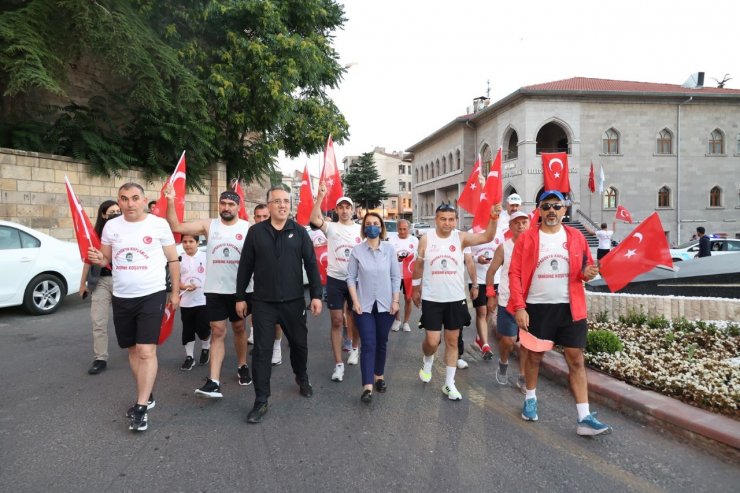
(669, 306)
(32, 191)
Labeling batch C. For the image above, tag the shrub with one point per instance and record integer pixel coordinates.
(634, 318)
(603, 341)
(683, 325)
(602, 317)
(658, 322)
(733, 329)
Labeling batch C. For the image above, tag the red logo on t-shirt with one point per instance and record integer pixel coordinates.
(239, 236)
(147, 239)
(357, 240)
(411, 246)
(565, 245)
(452, 248)
(201, 269)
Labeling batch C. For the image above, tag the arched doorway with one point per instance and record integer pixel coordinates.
(552, 138)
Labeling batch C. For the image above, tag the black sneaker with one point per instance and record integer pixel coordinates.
(304, 386)
(188, 364)
(140, 419)
(257, 412)
(244, 377)
(211, 389)
(149, 405)
(205, 357)
(97, 366)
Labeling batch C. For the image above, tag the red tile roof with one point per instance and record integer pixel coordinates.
(579, 84)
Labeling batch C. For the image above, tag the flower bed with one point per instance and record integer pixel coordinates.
(686, 360)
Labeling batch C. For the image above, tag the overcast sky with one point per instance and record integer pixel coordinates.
(419, 64)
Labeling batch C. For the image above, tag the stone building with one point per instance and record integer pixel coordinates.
(667, 148)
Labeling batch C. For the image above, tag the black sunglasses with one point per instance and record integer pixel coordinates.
(547, 207)
(445, 208)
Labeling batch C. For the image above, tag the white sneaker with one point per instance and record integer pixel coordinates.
(406, 327)
(354, 356)
(396, 325)
(277, 355)
(462, 364)
(338, 374)
(451, 392)
(250, 339)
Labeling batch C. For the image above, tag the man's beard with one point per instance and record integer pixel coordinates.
(226, 215)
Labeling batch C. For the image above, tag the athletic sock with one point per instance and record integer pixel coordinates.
(428, 362)
(340, 365)
(583, 410)
(189, 348)
(276, 344)
(531, 394)
(206, 344)
(450, 375)
(216, 382)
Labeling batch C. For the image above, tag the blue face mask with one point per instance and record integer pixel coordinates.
(372, 231)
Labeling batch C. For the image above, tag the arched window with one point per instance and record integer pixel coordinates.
(436, 169)
(716, 142)
(715, 197)
(665, 142)
(457, 158)
(610, 142)
(664, 197)
(610, 198)
(416, 175)
(449, 160)
(444, 165)
(486, 159)
(426, 171)
(511, 141)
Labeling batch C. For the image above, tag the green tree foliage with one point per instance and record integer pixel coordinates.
(363, 184)
(236, 80)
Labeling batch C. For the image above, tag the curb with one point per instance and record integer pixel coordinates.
(662, 409)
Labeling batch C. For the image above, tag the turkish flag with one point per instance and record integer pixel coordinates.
(322, 260)
(178, 182)
(243, 214)
(330, 176)
(470, 196)
(305, 200)
(591, 179)
(555, 169)
(492, 194)
(623, 215)
(534, 218)
(168, 321)
(407, 274)
(84, 231)
(644, 249)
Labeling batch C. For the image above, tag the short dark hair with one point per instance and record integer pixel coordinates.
(259, 207)
(603, 225)
(195, 237)
(129, 185)
(700, 230)
(272, 189)
(152, 203)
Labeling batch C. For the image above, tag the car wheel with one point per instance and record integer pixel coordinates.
(43, 294)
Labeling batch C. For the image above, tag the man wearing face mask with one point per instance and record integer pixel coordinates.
(546, 296)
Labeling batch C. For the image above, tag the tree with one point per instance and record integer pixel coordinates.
(363, 183)
(133, 82)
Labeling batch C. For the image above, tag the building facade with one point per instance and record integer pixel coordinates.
(664, 148)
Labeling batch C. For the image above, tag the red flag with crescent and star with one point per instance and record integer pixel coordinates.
(330, 176)
(407, 274)
(178, 183)
(470, 196)
(84, 231)
(645, 248)
(591, 179)
(322, 260)
(237, 187)
(623, 215)
(492, 194)
(305, 200)
(555, 169)
(168, 321)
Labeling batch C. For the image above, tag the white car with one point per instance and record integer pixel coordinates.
(420, 229)
(38, 270)
(391, 228)
(719, 246)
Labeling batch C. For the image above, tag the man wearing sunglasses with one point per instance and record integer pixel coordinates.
(439, 288)
(546, 296)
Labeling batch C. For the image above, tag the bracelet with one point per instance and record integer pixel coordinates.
(395, 301)
(170, 261)
(490, 292)
(416, 282)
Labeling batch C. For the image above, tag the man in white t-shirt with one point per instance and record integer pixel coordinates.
(342, 237)
(226, 236)
(548, 267)
(477, 260)
(405, 244)
(439, 288)
(605, 239)
(138, 246)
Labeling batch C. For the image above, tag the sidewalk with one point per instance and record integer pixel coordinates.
(665, 411)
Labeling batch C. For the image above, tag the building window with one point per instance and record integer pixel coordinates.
(436, 169)
(664, 197)
(457, 158)
(610, 198)
(401, 169)
(449, 158)
(715, 197)
(402, 186)
(486, 160)
(665, 142)
(416, 176)
(611, 142)
(393, 204)
(444, 165)
(512, 145)
(426, 171)
(716, 142)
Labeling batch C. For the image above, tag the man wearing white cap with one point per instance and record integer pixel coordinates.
(342, 236)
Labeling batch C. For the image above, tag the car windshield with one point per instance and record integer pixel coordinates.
(391, 226)
(688, 244)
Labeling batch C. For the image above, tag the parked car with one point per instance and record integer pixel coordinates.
(719, 246)
(38, 271)
(420, 229)
(391, 228)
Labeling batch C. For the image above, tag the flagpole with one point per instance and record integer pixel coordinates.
(172, 177)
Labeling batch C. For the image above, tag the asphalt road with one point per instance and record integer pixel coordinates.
(63, 430)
